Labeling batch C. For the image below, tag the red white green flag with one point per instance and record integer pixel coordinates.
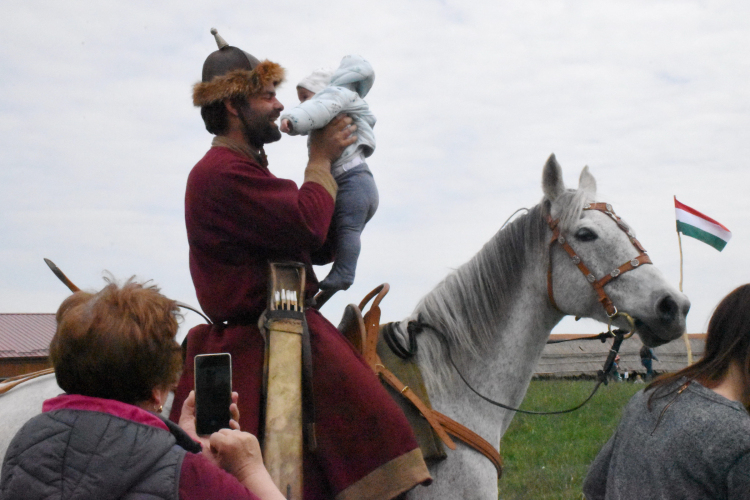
(691, 222)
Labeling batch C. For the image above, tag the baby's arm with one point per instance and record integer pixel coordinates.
(317, 111)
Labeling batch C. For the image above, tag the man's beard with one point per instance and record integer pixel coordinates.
(258, 129)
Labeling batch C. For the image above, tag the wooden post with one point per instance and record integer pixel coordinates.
(283, 431)
(685, 337)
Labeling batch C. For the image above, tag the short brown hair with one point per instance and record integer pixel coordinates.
(118, 343)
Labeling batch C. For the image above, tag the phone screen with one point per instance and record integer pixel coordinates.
(213, 392)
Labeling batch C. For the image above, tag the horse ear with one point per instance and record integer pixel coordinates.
(552, 181)
(587, 183)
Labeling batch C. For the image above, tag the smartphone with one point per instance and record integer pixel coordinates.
(213, 392)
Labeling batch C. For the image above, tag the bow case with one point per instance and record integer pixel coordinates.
(287, 378)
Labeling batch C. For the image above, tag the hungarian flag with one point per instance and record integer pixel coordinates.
(691, 222)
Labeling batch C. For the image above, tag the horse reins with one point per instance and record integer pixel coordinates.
(415, 327)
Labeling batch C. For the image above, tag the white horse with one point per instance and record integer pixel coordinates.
(496, 314)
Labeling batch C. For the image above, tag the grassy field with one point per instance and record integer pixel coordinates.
(546, 457)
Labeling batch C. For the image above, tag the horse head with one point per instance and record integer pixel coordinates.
(605, 244)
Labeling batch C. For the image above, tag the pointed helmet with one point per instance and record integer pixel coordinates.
(231, 72)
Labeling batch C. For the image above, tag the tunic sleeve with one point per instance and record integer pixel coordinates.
(595, 484)
(200, 480)
(238, 204)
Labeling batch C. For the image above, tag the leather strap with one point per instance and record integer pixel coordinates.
(295, 323)
(598, 285)
(426, 412)
(628, 266)
(472, 439)
(442, 424)
(372, 325)
(11, 382)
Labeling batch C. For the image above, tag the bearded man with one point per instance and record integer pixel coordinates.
(240, 216)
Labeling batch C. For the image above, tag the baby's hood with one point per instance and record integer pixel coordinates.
(317, 80)
(354, 73)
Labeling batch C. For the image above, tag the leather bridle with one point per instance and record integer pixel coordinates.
(598, 285)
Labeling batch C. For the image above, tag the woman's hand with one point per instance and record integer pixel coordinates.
(235, 451)
(239, 454)
(187, 421)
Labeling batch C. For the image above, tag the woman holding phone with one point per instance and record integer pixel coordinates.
(115, 356)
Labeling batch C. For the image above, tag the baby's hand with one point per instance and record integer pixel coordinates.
(286, 126)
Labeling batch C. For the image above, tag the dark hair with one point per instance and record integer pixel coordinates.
(117, 344)
(215, 115)
(727, 340)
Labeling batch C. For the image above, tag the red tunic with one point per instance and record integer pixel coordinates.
(239, 217)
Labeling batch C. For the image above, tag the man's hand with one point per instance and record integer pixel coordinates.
(187, 421)
(327, 143)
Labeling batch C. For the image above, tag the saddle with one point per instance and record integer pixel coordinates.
(432, 428)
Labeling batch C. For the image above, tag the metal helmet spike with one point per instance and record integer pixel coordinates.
(226, 59)
(219, 40)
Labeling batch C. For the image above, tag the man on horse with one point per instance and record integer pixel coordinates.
(239, 216)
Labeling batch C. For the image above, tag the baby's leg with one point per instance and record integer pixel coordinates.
(356, 203)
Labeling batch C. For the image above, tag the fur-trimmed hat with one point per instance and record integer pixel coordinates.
(232, 72)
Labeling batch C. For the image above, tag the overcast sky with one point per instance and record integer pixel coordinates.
(98, 132)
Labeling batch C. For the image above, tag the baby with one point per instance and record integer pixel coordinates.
(322, 97)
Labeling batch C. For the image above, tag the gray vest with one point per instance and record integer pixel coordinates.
(77, 455)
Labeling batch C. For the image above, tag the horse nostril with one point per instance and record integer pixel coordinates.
(667, 309)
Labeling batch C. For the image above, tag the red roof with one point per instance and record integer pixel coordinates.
(26, 335)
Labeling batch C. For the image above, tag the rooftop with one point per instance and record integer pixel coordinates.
(26, 335)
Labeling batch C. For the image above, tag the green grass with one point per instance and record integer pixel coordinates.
(546, 457)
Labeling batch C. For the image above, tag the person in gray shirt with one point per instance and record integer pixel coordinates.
(687, 435)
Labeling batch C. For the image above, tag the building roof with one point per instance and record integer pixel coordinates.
(26, 335)
(581, 357)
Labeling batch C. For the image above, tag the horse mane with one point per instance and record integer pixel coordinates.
(472, 302)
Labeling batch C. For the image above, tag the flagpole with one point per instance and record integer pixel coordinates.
(679, 240)
(684, 335)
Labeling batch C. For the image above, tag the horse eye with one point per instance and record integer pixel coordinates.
(585, 234)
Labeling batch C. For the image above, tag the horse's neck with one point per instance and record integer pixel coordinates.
(502, 372)
(512, 363)
(503, 367)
